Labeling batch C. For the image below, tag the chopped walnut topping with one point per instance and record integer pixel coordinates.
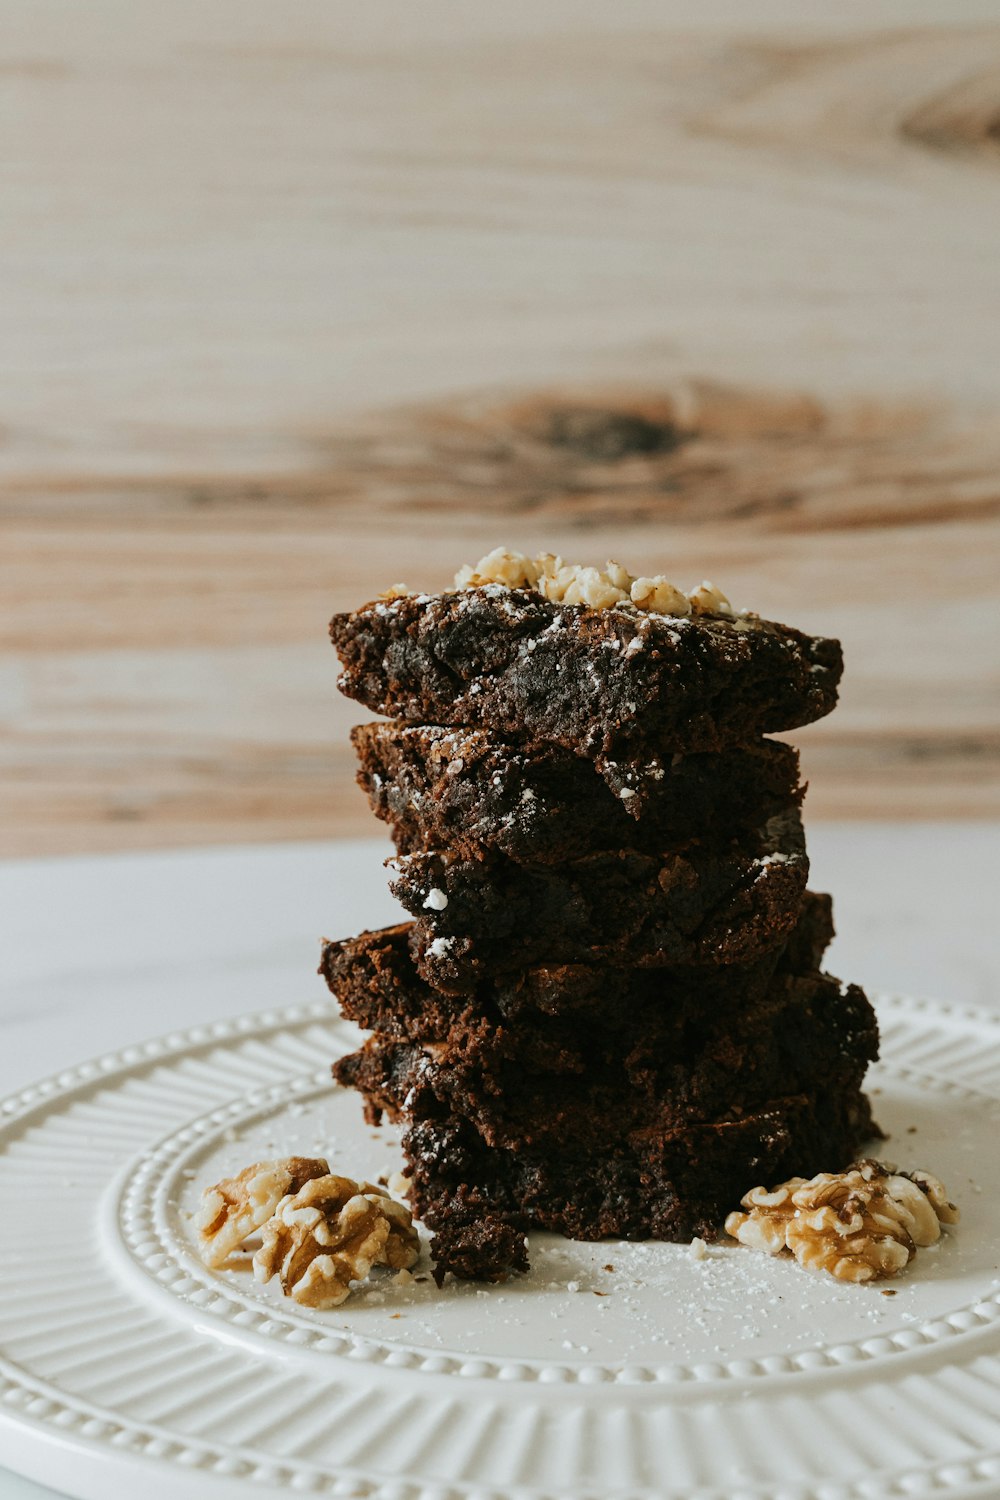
(618, 577)
(706, 599)
(658, 596)
(572, 583)
(237, 1207)
(584, 586)
(500, 566)
(395, 591)
(861, 1224)
(331, 1233)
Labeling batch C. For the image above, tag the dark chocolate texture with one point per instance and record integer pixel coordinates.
(619, 684)
(668, 1187)
(701, 904)
(524, 1087)
(376, 984)
(469, 791)
(479, 1247)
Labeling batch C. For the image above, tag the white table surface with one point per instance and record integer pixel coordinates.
(100, 952)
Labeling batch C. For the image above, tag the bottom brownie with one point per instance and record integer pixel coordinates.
(670, 1186)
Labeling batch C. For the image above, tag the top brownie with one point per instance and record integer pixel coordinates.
(617, 684)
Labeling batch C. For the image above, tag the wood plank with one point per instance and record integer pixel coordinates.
(295, 306)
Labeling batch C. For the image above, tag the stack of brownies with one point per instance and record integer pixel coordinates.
(607, 1017)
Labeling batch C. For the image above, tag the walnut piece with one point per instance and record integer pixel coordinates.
(658, 596)
(573, 583)
(330, 1233)
(237, 1207)
(706, 599)
(399, 1184)
(500, 566)
(862, 1224)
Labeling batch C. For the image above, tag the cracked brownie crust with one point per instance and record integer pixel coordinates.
(376, 985)
(615, 684)
(468, 791)
(699, 905)
(525, 1087)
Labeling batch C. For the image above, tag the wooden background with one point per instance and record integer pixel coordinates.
(296, 301)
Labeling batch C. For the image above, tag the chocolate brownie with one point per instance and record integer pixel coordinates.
(526, 1086)
(377, 985)
(699, 905)
(467, 791)
(482, 1247)
(811, 936)
(615, 684)
(661, 1186)
(607, 1017)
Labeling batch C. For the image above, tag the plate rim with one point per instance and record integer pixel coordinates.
(27, 1415)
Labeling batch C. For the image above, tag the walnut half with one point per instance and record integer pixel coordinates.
(238, 1207)
(861, 1224)
(331, 1233)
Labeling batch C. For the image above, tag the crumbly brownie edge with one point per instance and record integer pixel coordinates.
(612, 684)
(471, 792)
(674, 1190)
(518, 1090)
(481, 1247)
(373, 978)
(624, 908)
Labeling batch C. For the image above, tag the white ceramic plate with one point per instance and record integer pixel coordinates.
(127, 1368)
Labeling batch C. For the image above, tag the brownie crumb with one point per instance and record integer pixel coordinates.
(484, 1249)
